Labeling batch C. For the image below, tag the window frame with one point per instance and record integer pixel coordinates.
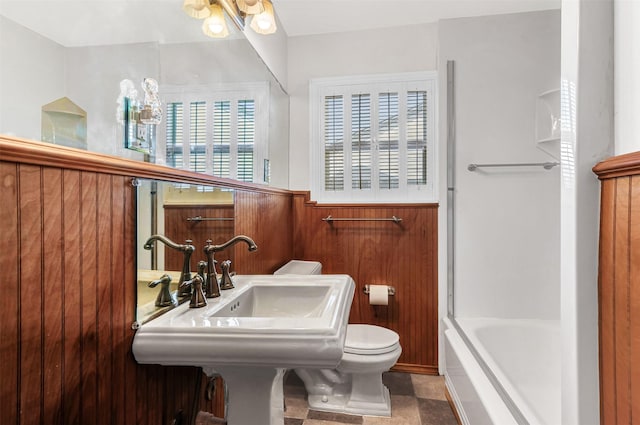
(256, 91)
(375, 84)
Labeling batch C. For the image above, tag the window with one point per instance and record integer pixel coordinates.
(373, 138)
(218, 131)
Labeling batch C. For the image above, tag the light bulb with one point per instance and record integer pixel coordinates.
(265, 22)
(215, 25)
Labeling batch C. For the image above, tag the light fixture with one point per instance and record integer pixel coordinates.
(196, 8)
(250, 7)
(265, 22)
(212, 11)
(215, 25)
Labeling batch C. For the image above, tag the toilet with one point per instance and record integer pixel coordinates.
(355, 385)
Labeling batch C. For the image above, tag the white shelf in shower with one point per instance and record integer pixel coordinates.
(548, 122)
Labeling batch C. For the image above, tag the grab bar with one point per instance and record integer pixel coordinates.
(199, 218)
(329, 219)
(545, 165)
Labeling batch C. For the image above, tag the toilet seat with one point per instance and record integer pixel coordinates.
(370, 340)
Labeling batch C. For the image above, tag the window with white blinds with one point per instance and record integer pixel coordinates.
(218, 132)
(374, 138)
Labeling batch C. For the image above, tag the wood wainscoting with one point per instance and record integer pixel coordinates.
(67, 256)
(619, 290)
(403, 255)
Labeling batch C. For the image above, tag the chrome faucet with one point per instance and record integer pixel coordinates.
(187, 249)
(225, 281)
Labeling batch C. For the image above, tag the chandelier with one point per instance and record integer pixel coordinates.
(215, 25)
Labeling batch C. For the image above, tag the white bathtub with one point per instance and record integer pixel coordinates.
(523, 356)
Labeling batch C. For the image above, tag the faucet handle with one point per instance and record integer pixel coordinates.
(164, 298)
(197, 295)
(225, 281)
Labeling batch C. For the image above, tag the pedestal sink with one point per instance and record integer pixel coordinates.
(252, 334)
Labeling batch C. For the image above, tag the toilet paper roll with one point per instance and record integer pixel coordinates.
(378, 295)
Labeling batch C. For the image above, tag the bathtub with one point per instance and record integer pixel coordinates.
(519, 382)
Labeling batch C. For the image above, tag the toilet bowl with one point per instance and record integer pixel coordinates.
(355, 385)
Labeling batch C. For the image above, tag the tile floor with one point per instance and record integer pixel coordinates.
(415, 400)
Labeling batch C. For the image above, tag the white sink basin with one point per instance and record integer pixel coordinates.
(251, 334)
(261, 300)
(280, 321)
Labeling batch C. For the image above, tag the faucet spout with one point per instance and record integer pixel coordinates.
(240, 238)
(148, 245)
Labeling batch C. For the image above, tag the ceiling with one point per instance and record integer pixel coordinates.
(73, 23)
(306, 17)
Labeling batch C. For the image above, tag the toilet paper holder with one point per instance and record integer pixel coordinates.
(391, 289)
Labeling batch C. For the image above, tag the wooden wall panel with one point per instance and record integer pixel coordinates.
(606, 303)
(53, 294)
(68, 225)
(619, 291)
(634, 300)
(267, 219)
(373, 252)
(31, 303)
(10, 300)
(73, 283)
(177, 228)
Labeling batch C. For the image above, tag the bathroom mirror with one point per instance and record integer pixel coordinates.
(83, 50)
(178, 211)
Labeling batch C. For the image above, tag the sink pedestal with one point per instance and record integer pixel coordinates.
(255, 394)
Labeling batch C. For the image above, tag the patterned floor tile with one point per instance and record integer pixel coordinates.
(296, 407)
(428, 386)
(398, 383)
(436, 412)
(337, 418)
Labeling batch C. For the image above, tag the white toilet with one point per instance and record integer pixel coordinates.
(355, 385)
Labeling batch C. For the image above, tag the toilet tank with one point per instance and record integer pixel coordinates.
(300, 267)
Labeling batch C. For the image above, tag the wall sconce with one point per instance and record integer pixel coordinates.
(263, 19)
(139, 118)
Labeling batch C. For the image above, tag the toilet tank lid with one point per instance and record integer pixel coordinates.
(370, 339)
(300, 267)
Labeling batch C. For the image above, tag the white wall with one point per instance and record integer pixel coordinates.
(506, 220)
(93, 82)
(401, 49)
(272, 50)
(31, 75)
(587, 138)
(627, 75)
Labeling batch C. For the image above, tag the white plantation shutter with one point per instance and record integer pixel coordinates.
(224, 133)
(222, 138)
(388, 141)
(417, 137)
(334, 142)
(174, 131)
(198, 136)
(361, 141)
(373, 138)
(246, 139)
